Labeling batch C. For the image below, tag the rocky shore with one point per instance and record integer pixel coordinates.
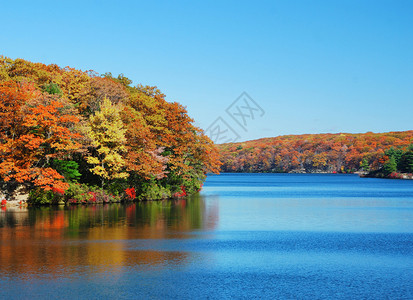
(17, 200)
(393, 175)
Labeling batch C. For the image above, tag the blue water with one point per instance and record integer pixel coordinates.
(259, 236)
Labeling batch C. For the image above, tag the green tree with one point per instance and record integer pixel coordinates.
(52, 89)
(69, 169)
(406, 162)
(107, 135)
(396, 153)
(364, 164)
(390, 166)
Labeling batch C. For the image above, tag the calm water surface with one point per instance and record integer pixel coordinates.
(245, 236)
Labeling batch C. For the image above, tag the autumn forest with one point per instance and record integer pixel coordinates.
(374, 154)
(72, 136)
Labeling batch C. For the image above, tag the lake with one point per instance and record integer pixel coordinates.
(244, 236)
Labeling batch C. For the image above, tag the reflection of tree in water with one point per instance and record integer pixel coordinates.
(57, 239)
(178, 215)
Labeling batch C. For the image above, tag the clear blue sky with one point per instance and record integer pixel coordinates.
(313, 66)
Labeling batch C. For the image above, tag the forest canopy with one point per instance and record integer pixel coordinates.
(329, 153)
(64, 131)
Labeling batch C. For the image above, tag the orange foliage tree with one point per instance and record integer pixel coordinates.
(47, 113)
(188, 154)
(313, 152)
(35, 128)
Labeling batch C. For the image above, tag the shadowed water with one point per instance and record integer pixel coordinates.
(245, 236)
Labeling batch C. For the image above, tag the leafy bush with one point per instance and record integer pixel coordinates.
(83, 194)
(131, 193)
(181, 193)
(39, 196)
(395, 175)
(103, 196)
(152, 191)
(117, 187)
(77, 193)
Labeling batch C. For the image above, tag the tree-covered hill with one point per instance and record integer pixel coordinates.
(312, 153)
(67, 132)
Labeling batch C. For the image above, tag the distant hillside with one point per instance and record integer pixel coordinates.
(313, 153)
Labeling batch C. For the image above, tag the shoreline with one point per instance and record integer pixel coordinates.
(361, 174)
(20, 201)
(24, 203)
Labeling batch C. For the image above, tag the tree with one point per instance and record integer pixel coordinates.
(35, 128)
(406, 162)
(76, 85)
(69, 169)
(52, 88)
(144, 156)
(126, 131)
(313, 152)
(105, 87)
(390, 166)
(396, 153)
(364, 164)
(107, 135)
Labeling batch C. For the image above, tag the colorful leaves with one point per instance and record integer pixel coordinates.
(107, 134)
(313, 152)
(182, 193)
(33, 132)
(52, 116)
(131, 193)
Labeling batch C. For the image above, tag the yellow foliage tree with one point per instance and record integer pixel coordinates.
(107, 135)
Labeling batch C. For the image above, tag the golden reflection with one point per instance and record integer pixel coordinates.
(53, 240)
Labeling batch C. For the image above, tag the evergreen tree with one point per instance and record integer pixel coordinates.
(396, 153)
(364, 164)
(406, 162)
(390, 166)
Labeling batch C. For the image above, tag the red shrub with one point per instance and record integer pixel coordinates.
(131, 193)
(58, 191)
(395, 175)
(93, 197)
(181, 194)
